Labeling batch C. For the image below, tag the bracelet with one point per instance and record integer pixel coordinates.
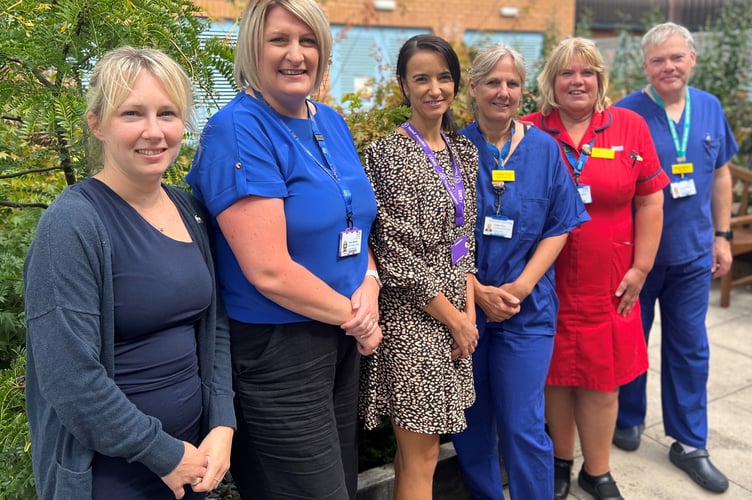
(375, 275)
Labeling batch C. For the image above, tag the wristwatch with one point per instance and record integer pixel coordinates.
(375, 275)
(729, 235)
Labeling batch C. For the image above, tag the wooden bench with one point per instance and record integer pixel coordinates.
(741, 224)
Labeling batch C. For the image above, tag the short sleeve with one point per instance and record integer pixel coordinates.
(241, 152)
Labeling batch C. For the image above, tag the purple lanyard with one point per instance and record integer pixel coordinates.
(455, 189)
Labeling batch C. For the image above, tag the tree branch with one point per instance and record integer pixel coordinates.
(12, 204)
(30, 171)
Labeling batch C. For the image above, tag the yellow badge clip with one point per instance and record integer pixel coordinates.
(502, 176)
(606, 153)
(682, 168)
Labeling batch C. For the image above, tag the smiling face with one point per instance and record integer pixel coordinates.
(143, 135)
(498, 94)
(428, 86)
(576, 88)
(288, 62)
(668, 65)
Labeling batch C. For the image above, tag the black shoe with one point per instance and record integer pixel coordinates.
(601, 487)
(697, 464)
(628, 438)
(562, 478)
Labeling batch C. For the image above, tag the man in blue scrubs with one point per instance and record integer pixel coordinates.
(694, 143)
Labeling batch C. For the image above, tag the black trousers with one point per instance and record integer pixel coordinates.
(296, 401)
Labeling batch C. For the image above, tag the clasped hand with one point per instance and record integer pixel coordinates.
(364, 324)
(497, 303)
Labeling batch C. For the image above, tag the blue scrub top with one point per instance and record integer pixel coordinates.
(247, 149)
(543, 202)
(687, 222)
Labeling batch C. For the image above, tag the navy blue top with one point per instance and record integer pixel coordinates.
(161, 287)
(687, 222)
(543, 202)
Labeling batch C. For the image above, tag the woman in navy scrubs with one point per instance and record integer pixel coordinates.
(526, 206)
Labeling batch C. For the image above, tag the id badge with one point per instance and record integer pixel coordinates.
(683, 188)
(585, 194)
(459, 249)
(498, 226)
(350, 241)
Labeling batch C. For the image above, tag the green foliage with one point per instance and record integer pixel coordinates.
(16, 480)
(376, 447)
(723, 66)
(626, 74)
(16, 231)
(551, 37)
(46, 52)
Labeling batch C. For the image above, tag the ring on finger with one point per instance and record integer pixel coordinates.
(196, 482)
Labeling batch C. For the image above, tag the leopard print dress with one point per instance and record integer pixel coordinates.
(411, 378)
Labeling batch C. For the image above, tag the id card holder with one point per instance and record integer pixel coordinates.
(459, 249)
(585, 194)
(498, 226)
(350, 241)
(683, 188)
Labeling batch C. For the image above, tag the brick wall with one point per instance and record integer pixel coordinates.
(447, 18)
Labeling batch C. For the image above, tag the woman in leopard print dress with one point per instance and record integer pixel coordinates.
(423, 175)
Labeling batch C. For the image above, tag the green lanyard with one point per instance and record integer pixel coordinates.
(681, 150)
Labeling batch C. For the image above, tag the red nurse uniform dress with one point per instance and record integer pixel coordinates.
(594, 346)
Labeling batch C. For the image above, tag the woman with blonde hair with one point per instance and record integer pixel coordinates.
(128, 383)
(526, 207)
(292, 209)
(599, 343)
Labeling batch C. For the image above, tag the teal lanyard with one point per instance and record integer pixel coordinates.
(501, 156)
(681, 150)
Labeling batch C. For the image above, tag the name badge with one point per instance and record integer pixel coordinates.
(498, 226)
(606, 153)
(502, 176)
(350, 241)
(683, 188)
(682, 168)
(585, 194)
(459, 249)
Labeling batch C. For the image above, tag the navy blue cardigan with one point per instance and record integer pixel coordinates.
(73, 405)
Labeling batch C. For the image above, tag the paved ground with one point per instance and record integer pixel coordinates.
(647, 474)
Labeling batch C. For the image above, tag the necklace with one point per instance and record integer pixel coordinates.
(160, 228)
(102, 176)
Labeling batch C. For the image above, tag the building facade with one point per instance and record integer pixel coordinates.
(368, 33)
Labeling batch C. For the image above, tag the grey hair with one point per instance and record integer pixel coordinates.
(661, 32)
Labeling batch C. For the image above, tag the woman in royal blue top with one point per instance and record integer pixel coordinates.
(292, 211)
(526, 206)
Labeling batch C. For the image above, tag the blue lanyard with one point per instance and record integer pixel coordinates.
(502, 156)
(456, 189)
(681, 150)
(578, 164)
(330, 169)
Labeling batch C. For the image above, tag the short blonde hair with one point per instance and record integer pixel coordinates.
(562, 56)
(485, 61)
(251, 38)
(114, 75)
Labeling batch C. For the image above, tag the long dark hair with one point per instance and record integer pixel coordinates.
(440, 46)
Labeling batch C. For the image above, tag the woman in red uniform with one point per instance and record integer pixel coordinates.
(599, 344)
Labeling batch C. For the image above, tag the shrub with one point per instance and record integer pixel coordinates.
(16, 481)
(16, 231)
